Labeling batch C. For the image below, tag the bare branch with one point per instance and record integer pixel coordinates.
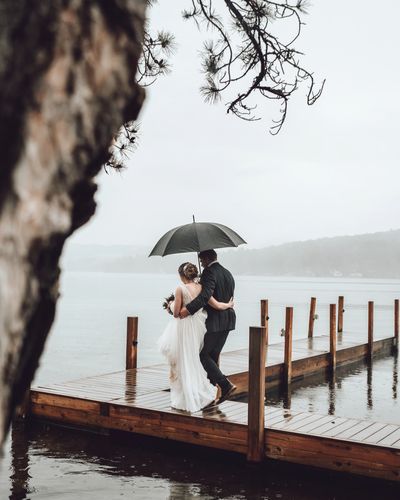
(244, 61)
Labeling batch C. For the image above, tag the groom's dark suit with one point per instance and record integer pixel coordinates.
(219, 283)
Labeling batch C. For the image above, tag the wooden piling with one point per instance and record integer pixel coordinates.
(340, 314)
(264, 317)
(332, 335)
(23, 409)
(370, 328)
(396, 320)
(287, 364)
(131, 342)
(311, 319)
(256, 408)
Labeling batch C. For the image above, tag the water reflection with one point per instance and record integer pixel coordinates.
(54, 462)
(19, 464)
(370, 402)
(332, 394)
(287, 397)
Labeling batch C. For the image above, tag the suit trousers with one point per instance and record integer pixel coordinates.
(209, 356)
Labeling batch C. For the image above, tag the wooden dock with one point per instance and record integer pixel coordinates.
(137, 400)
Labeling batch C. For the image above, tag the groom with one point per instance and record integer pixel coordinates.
(218, 282)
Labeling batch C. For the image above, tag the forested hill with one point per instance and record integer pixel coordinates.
(374, 255)
(369, 255)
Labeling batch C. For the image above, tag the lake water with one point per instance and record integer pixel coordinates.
(88, 337)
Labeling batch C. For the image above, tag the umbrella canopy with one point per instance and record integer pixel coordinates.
(196, 237)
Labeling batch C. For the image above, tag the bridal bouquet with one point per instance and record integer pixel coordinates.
(168, 303)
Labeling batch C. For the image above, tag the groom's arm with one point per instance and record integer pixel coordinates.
(208, 287)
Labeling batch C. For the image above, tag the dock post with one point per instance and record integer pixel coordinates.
(332, 335)
(370, 329)
(131, 342)
(340, 314)
(287, 364)
(256, 407)
(396, 321)
(264, 317)
(312, 317)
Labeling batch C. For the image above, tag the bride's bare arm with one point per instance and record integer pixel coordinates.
(178, 302)
(220, 306)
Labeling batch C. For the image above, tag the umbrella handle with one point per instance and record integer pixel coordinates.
(198, 260)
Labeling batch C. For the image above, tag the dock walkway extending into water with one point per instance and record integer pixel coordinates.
(137, 400)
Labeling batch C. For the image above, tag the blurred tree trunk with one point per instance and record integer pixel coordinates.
(67, 83)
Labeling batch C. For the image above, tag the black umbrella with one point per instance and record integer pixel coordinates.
(196, 237)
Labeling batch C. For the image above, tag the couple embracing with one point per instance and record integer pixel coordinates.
(193, 340)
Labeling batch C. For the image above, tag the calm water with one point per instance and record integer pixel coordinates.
(88, 337)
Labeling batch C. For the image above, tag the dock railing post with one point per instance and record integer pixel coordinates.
(370, 328)
(332, 335)
(287, 364)
(340, 314)
(256, 407)
(396, 321)
(311, 319)
(264, 317)
(131, 342)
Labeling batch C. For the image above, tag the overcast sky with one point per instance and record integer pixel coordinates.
(333, 169)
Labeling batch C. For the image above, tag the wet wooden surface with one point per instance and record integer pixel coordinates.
(138, 401)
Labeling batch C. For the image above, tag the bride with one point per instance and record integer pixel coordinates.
(182, 342)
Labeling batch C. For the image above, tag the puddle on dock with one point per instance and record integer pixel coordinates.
(364, 390)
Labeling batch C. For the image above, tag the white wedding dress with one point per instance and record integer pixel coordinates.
(181, 343)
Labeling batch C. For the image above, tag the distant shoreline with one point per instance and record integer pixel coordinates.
(355, 279)
(367, 256)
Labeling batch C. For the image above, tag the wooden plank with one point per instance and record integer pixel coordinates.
(217, 437)
(288, 345)
(340, 314)
(288, 418)
(309, 427)
(264, 317)
(255, 429)
(178, 419)
(64, 401)
(72, 394)
(332, 454)
(365, 433)
(390, 439)
(381, 434)
(333, 423)
(293, 422)
(339, 448)
(340, 428)
(370, 328)
(311, 318)
(131, 342)
(351, 431)
(332, 336)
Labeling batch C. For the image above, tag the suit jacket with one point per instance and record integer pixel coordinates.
(218, 282)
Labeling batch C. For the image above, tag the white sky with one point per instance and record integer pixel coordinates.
(333, 169)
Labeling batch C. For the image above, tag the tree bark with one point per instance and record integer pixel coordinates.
(67, 83)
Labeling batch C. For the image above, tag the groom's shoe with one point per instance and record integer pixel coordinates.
(213, 403)
(226, 391)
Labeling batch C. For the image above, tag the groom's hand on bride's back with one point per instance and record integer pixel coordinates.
(184, 313)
